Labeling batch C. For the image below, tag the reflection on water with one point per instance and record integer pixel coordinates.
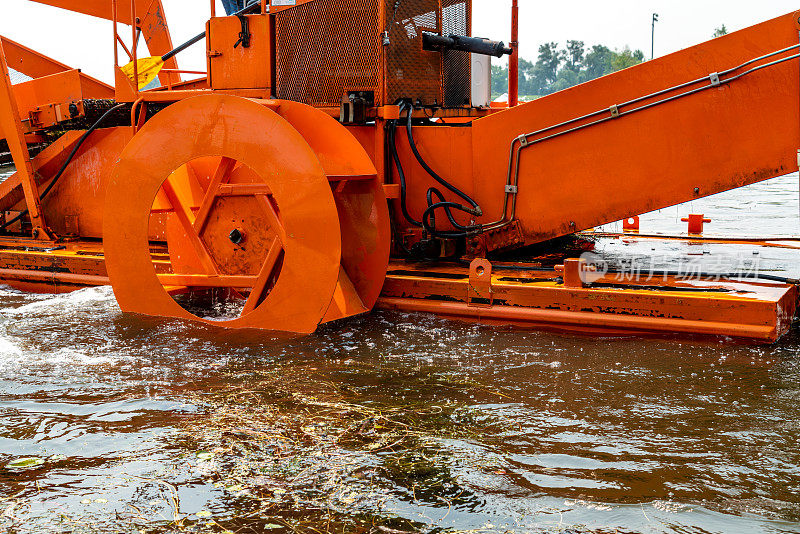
(392, 423)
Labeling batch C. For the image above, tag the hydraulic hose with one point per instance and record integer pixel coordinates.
(476, 209)
(728, 276)
(67, 161)
(392, 125)
(428, 217)
(746, 275)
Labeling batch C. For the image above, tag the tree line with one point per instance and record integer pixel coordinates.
(557, 68)
(560, 68)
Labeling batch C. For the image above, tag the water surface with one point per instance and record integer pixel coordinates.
(400, 423)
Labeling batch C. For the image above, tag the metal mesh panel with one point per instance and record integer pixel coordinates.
(410, 71)
(326, 48)
(457, 19)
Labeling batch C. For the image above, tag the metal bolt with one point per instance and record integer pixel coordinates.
(236, 236)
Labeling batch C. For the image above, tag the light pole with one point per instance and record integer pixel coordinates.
(653, 38)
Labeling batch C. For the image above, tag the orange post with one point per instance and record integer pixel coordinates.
(513, 61)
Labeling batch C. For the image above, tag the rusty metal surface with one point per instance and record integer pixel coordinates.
(538, 299)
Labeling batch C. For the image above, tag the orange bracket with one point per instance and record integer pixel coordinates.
(631, 224)
(573, 272)
(696, 223)
(480, 283)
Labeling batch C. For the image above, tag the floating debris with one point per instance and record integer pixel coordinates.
(25, 463)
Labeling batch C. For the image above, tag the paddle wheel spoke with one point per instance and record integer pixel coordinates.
(221, 174)
(187, 220)
(267, 270)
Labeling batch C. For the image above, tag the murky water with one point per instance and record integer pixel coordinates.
(399, 423)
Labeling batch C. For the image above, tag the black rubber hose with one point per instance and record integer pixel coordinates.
(400, 173)
(476, 209)
(728, 276)
(428, 217)
(756, 275)
(63, 168)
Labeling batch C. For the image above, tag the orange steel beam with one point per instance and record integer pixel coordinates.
(36, 65)
(45, 277)
(11, 129)
(151, 20)
(576, 321)
(639, 158)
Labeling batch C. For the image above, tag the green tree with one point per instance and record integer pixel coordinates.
(598, 62)
(575, 51)
(566, 78)
(499, 80)
(719, 32)
(626, 58)
(549, 63)
(558, 69)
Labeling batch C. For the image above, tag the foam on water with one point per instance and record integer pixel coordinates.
(8, 349)
(73, 302)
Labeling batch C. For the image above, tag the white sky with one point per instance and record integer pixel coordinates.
(84, 42)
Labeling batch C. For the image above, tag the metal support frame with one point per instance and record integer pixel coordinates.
(15, 137)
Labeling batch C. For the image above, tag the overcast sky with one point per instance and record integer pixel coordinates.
(84, 42)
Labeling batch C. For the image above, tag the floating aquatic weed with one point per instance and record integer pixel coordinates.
(25, 463)
(289, 442)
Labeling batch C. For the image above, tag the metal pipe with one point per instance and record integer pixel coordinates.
(513, 60)
(653, 38)
(134, 45)
(116, 35)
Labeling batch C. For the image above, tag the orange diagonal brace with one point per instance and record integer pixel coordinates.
(223, 169)
(45, 166)
(12, 130)
(152, 21)
(186, 218)
(263, 276)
